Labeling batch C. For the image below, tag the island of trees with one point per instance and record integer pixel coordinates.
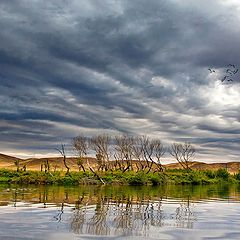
(123, 159)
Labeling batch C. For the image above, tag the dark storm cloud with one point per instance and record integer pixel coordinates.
(217, 129)
(118, 66)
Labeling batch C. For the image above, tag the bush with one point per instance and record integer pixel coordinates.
(139, 178)
(237, 176)
(176, 176)
(8, 173)
(4, 179)
(210, 174)
(156, 179)
(222, 173)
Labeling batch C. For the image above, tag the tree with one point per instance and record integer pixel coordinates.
(46, 165)
(137, 149)
(153, 151)
(80, 144)
(148, 151)
(159, 152)
(183, 153)
(62, 152)
(24, 168)
(124, 151)
(17, 164)
(100, 144)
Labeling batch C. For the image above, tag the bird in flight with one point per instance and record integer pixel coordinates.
(225, 78)
(229, 71)
(211, 70)
(234, 72)
(231, 65)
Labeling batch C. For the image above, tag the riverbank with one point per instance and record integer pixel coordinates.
(174, 176)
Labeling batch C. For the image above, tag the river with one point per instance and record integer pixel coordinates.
(119, 212)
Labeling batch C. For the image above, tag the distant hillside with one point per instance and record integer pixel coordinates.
(7, 161)
(232, 167)
(56, 163)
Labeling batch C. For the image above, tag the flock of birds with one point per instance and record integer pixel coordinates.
(229, 73)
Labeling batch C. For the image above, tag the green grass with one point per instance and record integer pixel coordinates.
(174, 176)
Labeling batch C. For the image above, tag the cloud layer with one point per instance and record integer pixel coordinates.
(136, 67)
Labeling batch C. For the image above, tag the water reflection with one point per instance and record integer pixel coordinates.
(119, 211)
(185, 215)
(117, 216)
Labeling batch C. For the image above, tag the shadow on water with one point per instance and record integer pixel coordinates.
(119, 210)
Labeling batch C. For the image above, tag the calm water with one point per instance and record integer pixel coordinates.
(173, 212)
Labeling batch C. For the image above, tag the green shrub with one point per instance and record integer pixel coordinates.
(175, 176)
(222, 173)
(139, 178)
(156, 179)
(237, 176)
(210, 174)
(67, 180)
(8, 173)
(4, 179)
(108, 178)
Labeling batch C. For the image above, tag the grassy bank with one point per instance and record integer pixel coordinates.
(175, 176)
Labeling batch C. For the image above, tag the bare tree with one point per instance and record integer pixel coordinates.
(24, 168)
(80, 144)
(100, 144)
(124, 151)
(148, 151)
(62, 152)
(45, 163)
(17, 164)
(137, 149)
(188, 153)
(183, 153)
(159, 152)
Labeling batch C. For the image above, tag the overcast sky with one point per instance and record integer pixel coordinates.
(132, 67)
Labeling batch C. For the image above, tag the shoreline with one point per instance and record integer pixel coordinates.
(173, 176)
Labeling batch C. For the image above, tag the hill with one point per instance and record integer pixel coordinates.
(232, 167)
(7, 161)
(56, 163)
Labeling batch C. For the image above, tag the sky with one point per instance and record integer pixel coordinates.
(119, 67)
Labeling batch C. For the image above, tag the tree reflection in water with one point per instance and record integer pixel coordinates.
(185, 216)
(118, 210)
(129, 216)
